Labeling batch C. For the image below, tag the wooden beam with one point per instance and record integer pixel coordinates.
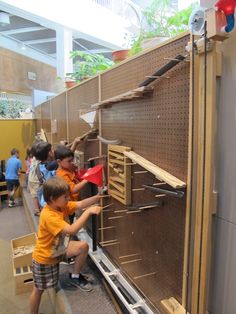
(135, 93)
(205, 197)
(157, 171)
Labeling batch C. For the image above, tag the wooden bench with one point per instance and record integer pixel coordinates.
(3, 184)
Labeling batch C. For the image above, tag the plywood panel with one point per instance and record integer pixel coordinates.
(157, 129)
(80, 99)
(58, 107)
(46, 119)
(37, 112)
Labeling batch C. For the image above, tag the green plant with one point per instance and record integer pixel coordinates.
(11, 108)
(136, 46)
(155, 16)
(160, 20)
(87, 65)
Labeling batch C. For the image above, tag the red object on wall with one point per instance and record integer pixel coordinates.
(94, 175)
(79, 174)
(227, 6)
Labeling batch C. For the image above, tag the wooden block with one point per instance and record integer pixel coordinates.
(119, 186)
(172, 306)
(117, 179)
(116, 161)
(22, 259)
(116, 193)
(23, 279)
(118, 156)
(215, 21)
(118, 148)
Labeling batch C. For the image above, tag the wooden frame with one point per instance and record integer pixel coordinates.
(119, 174)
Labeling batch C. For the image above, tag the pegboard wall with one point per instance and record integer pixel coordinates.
(148, 245)
(58, 121)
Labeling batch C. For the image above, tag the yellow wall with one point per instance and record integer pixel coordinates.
(16, 134)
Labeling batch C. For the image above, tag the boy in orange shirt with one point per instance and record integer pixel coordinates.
(66, 170)
(53, 239)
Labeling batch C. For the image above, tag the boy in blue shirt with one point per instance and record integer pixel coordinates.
(13, 167)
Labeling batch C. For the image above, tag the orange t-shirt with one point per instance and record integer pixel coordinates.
(71, 179)
(51, 243)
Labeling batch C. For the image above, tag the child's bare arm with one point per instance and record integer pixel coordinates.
(88, 202)
(79, 186)
(78, 224)
(76, 142)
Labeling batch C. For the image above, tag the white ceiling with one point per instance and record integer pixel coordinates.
(34, 35)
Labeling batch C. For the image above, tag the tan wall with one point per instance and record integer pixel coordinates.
(16, 134)
(14, 71)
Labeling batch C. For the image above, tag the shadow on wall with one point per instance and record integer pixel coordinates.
(28, 133)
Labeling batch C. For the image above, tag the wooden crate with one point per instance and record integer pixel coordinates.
(21, 263)
(23, 279)
(22, 259)
(119, 174)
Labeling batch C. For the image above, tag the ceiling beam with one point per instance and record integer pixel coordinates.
(23, 30)
(39, 41)
(14, 45)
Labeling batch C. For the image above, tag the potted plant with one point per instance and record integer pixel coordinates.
(120, 55)
(87, 65)
(160, 21)
(69, 82)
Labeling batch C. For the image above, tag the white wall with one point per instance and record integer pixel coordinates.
(40, 96)
(223, 278)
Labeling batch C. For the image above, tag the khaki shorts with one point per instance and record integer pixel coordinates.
(33, 188)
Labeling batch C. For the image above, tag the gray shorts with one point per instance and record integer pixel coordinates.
(45, 276)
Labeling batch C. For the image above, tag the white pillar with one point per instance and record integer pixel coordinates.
(64, 46)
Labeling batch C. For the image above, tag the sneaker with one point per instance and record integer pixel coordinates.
(37, 213)
(68, 261)
(81, 283)
(11, 204)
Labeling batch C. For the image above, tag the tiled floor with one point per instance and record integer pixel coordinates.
(13, 224)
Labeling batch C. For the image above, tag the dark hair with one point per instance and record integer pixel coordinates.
(53, 188)
(35, 143)
(62, 152)
(28, 153)
(14, 151)
(41, 150)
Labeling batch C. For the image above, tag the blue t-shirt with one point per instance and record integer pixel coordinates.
(46, 174)
(12, 168)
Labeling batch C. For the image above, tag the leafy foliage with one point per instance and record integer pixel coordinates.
(87, 65)
(136, 45)
(161, 20)
(156, 16)
(11, 108)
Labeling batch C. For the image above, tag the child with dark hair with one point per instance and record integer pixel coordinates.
(28, 161)
(13, 167)
(42, 151)
(66, 170)
(53, 241)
